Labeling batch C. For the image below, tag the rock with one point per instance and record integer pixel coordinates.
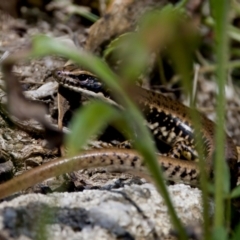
(131, 212)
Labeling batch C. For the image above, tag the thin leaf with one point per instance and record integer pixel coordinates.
(219, 234)
(235, 192)
(87, 122)
(94, 64)
(236, 233)
(220, 14)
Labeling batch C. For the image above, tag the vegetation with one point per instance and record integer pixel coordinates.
(179, 39)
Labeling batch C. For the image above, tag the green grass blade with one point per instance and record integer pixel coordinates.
(87, 122)
(236, 192)
(220, 14)
(43, 45)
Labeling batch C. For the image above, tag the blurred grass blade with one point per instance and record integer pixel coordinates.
(220, 15)
(177, 50)
(236, 234)
(90, 120)
(181, 4)
(43, 45)
(87, 14)
(236, 192)
(220, 234)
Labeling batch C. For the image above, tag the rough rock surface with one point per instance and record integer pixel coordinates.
(132, 212)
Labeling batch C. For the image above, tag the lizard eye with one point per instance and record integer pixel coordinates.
(56, 73)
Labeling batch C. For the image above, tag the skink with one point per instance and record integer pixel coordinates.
(169, 121)
(122, 160)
